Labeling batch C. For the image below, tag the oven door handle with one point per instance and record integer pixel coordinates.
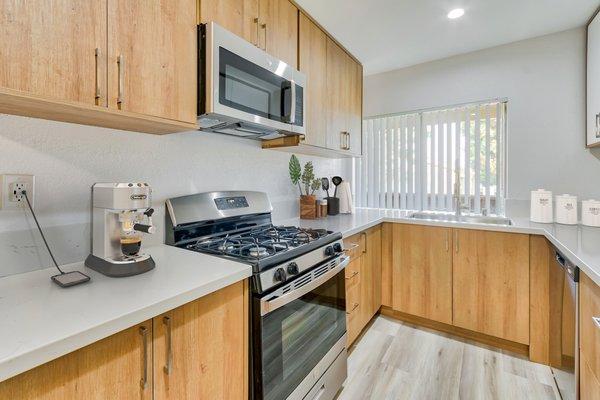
(267, 306)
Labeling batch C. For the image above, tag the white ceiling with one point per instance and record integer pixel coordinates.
(390, 34)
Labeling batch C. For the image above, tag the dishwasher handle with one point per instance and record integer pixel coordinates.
(571, 269)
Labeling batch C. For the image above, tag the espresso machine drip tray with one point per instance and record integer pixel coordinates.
(117, 269)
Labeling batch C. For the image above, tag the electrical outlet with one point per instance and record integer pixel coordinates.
(11, 189)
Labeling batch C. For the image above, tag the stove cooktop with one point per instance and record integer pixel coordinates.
(263, 247)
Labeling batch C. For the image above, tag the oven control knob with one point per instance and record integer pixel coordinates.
(329, 251)
(293, 269)
(338, 247)
(279, 275)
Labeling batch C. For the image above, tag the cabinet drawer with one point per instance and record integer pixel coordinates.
(589, 300)
(352, 298)
(355, 245)
(353, 320)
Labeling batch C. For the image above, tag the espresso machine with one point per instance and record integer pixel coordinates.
(121, 214)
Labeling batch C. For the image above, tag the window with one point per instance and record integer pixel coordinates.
(411, 161)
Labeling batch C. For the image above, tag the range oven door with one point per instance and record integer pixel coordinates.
(294, 329)
(245, 88)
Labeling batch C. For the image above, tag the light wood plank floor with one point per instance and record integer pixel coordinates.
(394, 360)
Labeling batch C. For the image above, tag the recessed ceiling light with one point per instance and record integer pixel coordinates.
(456, 13)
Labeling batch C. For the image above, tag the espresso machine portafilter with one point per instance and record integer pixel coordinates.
(121, 214)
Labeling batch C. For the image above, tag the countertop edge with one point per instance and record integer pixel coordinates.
(35, 357)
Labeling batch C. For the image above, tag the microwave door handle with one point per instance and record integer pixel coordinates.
(267, 306)
(293, 103)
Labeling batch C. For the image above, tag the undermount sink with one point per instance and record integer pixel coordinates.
(474, 219)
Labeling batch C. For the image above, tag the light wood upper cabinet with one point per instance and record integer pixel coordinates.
(152, 57)
(338, 91)
(589, 331)
(278, 30)
(48, 48)
(237, 16)
(113, 368)
(422, 271)
(313, 62)
(491, 283)
(200, 348)
(593, 83)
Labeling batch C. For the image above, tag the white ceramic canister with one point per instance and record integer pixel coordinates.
(541, 206)
(590, 212)
(566, 209)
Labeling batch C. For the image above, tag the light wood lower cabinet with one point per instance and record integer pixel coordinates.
(422, 271)
(112, 368)
(491, 283)
(196, 351)
(363, 280)
(589, 337)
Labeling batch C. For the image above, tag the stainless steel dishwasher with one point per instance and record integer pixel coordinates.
(564, 332)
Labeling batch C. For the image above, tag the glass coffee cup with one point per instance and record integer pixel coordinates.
(131, 244)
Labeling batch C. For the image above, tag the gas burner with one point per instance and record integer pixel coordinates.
(258, 252)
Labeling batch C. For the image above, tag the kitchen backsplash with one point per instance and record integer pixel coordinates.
(67, 159)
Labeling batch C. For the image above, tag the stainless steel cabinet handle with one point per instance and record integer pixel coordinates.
(596, 321)
(355, 306)
(352, 247)
(353, 275)
(121, 83)
(598, 125)
(144, 380)
(256, 21)
(456, 241)
(264, 26)
(97, 60)
(169, 364)
(347, 140)
(364, 234)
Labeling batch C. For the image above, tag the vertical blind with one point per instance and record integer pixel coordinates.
(411, 161)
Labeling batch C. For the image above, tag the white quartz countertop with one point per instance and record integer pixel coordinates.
(580, 244)
(41, 321)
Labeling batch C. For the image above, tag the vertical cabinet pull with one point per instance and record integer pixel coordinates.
(364, 234)
(97, 60)
(121, 83)
(598, 125)
(144, 381)
(256, 22)
(169, 355)
(596, 321)
(456, 241)
(264, 26)
(347, 140)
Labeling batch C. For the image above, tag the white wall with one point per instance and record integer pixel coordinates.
(544, 81)
(67, 159)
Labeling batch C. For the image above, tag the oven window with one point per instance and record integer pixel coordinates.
(247, 87)
(295, 337)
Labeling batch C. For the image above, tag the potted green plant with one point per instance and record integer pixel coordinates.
(306, 179)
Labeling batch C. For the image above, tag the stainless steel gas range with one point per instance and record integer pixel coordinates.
(298, 305)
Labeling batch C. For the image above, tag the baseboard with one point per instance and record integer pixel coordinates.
(504, 344)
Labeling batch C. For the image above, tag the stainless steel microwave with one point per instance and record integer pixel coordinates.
(244, 91)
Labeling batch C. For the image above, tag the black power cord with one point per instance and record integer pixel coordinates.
(24, 193)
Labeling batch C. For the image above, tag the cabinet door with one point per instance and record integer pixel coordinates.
(589, 303)
(313, 62)
(589, 384)
(278, 33)
(354, 112)
(152, 57)
(593, 82)
(491, 283)
(337, 95)
(112, 368)
(200, 348)
(373, 272)
(237, 16)
(422, 271)
(54, 49)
